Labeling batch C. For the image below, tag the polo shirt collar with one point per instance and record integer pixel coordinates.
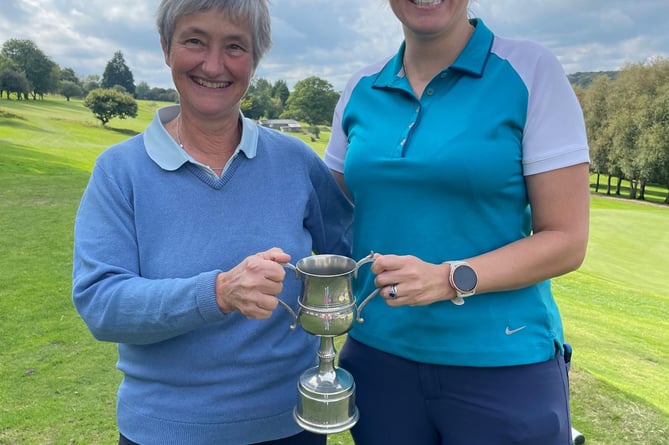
(474, 56)
(164, 150)
(472, 60)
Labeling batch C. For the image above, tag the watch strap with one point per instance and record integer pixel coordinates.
(461, 294)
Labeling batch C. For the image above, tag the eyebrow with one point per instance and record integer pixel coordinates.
(199, 31)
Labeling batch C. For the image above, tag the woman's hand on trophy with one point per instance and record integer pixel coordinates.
(409, 281)
(251, 287)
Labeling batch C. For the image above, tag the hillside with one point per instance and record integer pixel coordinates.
(584, 78)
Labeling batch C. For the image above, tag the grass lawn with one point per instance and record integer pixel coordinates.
(58, 384)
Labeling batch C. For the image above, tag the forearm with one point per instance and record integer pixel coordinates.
(528, 261)
(129, 309)
(560, 202)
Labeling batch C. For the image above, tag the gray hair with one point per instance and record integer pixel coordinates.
(255, 11)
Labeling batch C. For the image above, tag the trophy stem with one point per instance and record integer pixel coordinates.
(327, 394)
(326, 357)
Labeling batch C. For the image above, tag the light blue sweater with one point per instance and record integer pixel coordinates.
(149, 242)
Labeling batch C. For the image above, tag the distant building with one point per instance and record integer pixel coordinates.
(285, 125)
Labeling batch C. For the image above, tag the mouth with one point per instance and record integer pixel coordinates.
(210, 84)
(426, 2)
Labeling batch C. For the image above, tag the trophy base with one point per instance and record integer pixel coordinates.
(325, 429)
(326, 407)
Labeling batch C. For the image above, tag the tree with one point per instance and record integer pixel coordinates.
(595, 111)
(280, 91)
(13, 81)
(41, 72)
(164, 95)
(68, 74)
(70, 89)
(653, 158)
(142, 91)
(90, 82)
(628, 125)
(257, 102)
(118, 73)
(313, 101)
(107, 104)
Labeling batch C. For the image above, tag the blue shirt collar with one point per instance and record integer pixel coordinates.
(165, 151)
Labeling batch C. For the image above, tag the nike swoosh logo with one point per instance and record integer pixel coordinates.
(508, 331)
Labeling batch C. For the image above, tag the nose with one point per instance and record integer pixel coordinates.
(214, 61)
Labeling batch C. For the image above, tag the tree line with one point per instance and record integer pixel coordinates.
(627, 121)
(26, 72)
(626, 112)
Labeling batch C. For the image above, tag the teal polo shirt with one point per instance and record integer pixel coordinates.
(442, 177)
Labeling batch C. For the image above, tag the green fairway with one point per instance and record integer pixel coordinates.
(58, 384)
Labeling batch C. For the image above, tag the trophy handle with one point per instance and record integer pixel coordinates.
(374, 293)
(368, 259)
(291, 267)
(292, 313)
(284, 304)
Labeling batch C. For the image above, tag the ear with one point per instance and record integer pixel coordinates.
(166, 53)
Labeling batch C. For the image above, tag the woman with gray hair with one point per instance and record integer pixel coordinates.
(179, 243)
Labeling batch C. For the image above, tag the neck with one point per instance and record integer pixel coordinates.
(212, 147)
(424, 57)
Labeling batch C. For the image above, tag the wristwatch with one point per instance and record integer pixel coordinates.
(463, 279)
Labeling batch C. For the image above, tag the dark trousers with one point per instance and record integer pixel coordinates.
(304, 438)
(405, 402)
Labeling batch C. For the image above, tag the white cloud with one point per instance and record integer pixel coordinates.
(333, 38)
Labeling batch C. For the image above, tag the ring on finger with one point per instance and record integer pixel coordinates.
(393, 291)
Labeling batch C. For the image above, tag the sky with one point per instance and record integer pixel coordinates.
(331, 39)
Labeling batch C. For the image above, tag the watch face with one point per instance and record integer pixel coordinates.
(464, 278)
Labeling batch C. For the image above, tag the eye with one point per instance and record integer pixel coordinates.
(193, 41)
(236, 47)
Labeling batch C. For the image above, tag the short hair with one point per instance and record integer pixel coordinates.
(256, 12)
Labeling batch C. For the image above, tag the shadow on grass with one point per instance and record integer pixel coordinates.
(20, 123)
(124, 131)
(8, 115)
(23, 159)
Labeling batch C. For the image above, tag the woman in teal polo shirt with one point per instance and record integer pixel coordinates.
(466, 157)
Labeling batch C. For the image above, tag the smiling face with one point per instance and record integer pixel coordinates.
(211, 58)
(431, 18)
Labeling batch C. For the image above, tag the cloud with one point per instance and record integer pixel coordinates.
(586, 36)
(332, 39)
(328, 39)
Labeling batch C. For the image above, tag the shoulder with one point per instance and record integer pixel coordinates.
(125, 151)
(124, 159)
(529, 59)
(518, 49)
(367, 74)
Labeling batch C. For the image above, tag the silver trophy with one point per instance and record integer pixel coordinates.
(326, 309)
